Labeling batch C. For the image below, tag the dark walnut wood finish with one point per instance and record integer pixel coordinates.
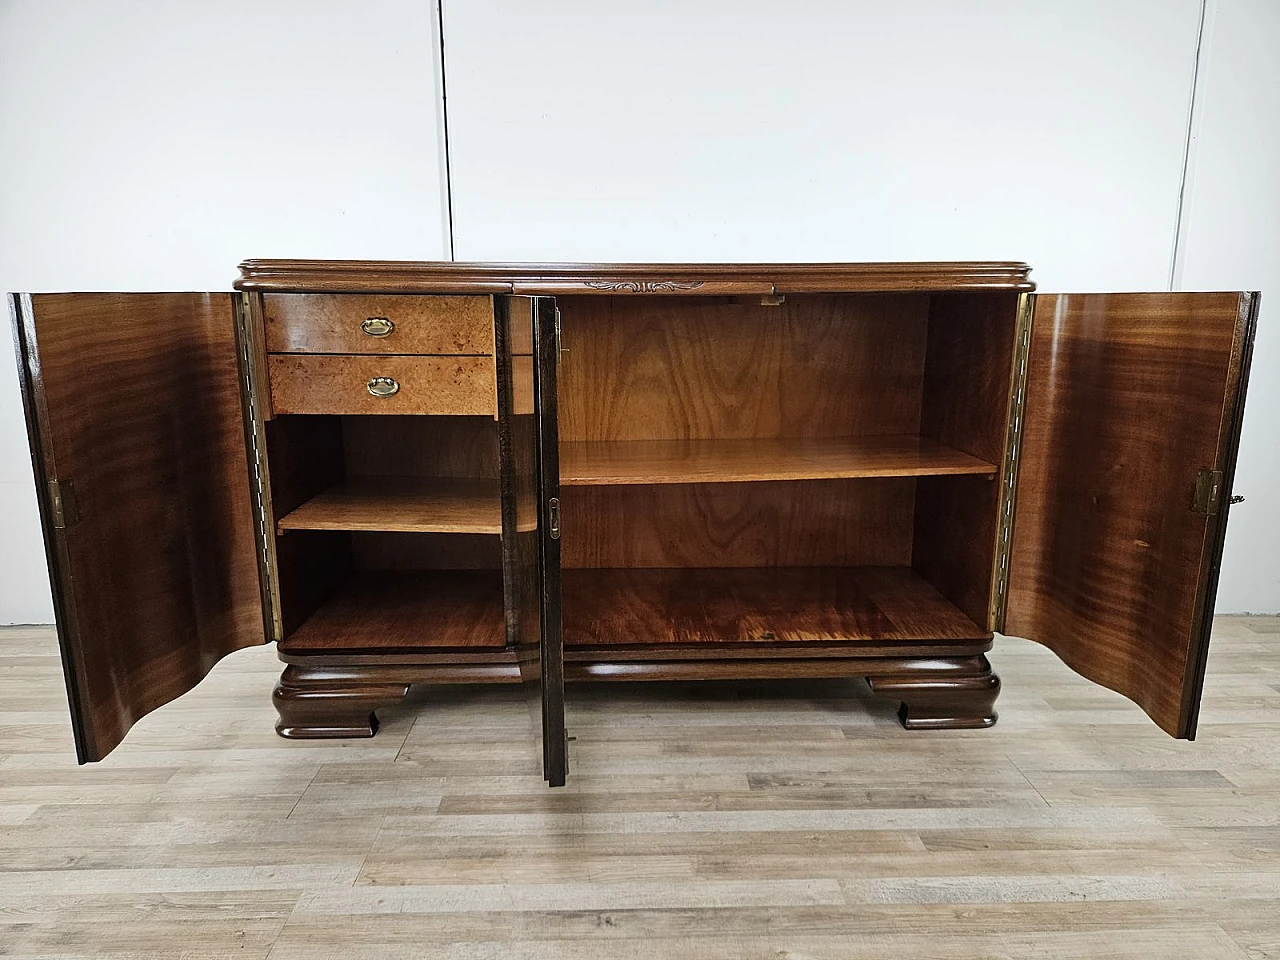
(745, 470)
(679, 279)
(941, 694)
(1130, 396)
(743, 447)
(549, 689)
(757, 605)
(133, 408)
(809, 523)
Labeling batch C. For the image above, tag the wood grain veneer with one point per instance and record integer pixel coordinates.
(463, 447)
(133, 404)
(967, 379)
(392, 550)
(718, 369)
(310, 564)
(304, 456)
(324, 323)
(404, 504)
(387, 611)
(797, 523)
(1129, 396)
(311, 384)
(730, 461)
(954, 539)
(820, 604)
(967, 371)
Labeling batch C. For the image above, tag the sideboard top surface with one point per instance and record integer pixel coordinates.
(682, 279)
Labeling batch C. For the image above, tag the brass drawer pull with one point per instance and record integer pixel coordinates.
(378, 327)
(383, 387)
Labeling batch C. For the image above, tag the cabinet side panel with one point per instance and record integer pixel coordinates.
(140, 401)
(968, 358)
(1127, 400)
(967, 374)
(955, 539)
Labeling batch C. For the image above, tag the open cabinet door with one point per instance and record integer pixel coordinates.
(1129, 436)
(528, 351)
(139, 449)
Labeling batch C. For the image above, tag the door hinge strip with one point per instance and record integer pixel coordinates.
(1015, 418)
(62, 504)
(1208, 495)
(256, 437)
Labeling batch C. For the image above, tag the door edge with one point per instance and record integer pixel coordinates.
(44, 470)
(1216, 535)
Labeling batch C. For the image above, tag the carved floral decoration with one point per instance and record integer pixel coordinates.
(643, 286)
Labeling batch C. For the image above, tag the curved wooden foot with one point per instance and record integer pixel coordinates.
(950, 694)
(325, 702)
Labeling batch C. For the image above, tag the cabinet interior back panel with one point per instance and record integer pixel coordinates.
(801, 523)
(676, 368)
(420, 446)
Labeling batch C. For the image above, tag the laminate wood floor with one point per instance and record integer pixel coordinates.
(776, 821)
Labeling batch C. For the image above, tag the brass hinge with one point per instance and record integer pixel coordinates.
(1208, 496)
(62, 502)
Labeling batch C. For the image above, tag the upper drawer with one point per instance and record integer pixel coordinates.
(378, 323)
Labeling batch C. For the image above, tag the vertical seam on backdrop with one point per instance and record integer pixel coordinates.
(444, 131)
(1176, 258)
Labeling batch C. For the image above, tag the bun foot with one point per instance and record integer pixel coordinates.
(943, 694)
(327, 702)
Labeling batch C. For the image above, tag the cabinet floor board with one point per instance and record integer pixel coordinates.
(385, 611)
(710, 820)
(756, 605)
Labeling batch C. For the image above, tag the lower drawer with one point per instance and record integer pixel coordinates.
(303, 383)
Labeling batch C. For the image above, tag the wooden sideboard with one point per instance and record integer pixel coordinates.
(411, 473)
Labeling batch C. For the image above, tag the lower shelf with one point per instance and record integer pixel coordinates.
(756, 605)
(390, 612)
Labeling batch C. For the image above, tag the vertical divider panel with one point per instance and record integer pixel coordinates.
(527, 355)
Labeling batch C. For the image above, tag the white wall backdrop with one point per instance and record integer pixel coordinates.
(1051, 132)
(152, 145)
(1231, 241)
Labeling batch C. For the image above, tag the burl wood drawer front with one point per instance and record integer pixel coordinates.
(373, 323)
(464, 386)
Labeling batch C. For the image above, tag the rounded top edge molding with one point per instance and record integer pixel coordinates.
(687, 279)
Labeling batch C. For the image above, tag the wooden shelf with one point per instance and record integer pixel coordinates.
(385, 612)
(585, 463)
(402, 505)
(756, 605)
